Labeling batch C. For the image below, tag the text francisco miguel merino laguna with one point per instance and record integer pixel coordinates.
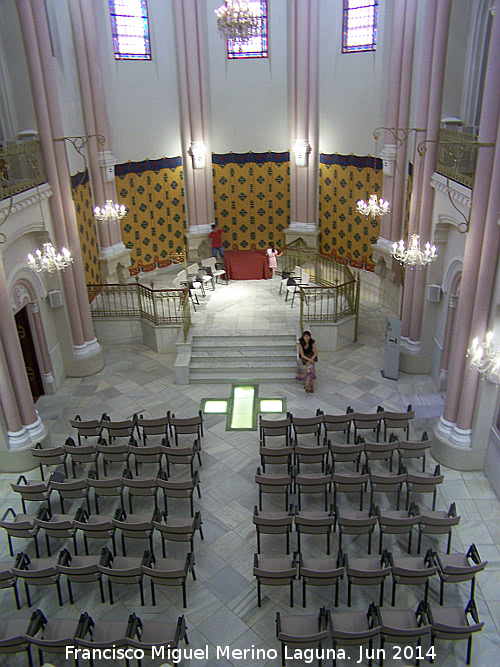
(177, 655)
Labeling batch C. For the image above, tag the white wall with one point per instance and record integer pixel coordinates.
(456, 60)
(249, 98)
(142, 96)
(16, 76)
(352, 86)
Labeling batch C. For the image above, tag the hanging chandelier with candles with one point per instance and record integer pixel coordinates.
(413, 255)
(111, 212)
(236, 22)
(49, 260)
(485, 357)
(375, 207)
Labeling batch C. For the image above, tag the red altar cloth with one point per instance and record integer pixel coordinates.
(246, 265)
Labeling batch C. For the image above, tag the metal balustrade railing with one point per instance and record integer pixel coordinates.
(334, 292)
(21, 167)
(456, 156)
(133, 300)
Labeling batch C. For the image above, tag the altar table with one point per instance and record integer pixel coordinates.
(246, 265)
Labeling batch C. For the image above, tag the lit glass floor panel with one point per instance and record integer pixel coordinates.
(243, 407)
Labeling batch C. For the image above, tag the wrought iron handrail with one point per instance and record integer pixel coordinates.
(21, 168)
(134, 300)
(456, 157)
(335, 292)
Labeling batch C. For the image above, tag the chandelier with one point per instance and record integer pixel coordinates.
(49, 260)
(111, 212)
(485, 357)
(236, 22)
(414, 255)
(375, 207)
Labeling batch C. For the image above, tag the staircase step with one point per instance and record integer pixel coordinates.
(233, 353)
(243, 358)
(243, 364)
(246, 375)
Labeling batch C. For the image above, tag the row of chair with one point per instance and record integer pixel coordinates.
(367, 571)
(357, 421)
(292, 481)
(142, 486)
(101, 527)
(69, 636)
(110, 453)
(89, 569)
(305, 635)
(344, 453)
(143, 427)
(355, 522)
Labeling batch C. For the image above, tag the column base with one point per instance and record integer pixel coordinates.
(87, 359)
(452, 448)
(302, 234)
(411, 359)
(199, 246)
(114, 263)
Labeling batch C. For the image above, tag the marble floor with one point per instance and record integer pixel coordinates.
(222, 603)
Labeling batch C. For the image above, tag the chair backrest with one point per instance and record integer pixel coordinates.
(187, 426)
(119, 429)
(304, 425)
(273, 483)
(209, 262)
(157, 426)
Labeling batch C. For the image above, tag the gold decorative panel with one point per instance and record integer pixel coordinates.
(155, 225)
(346, 235)
(252, 198)
(82, 197)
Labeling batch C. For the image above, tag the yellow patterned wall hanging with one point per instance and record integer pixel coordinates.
(86, 227)
(252, 198)
(346, 235)
(155, 225)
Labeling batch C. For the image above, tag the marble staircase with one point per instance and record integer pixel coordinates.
(235, 358)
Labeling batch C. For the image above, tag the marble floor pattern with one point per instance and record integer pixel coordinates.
(222, 602)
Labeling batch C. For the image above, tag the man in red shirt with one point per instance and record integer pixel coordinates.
(216, 236)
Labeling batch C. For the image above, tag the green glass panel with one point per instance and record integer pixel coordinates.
(243, 407)
(271, 405)
(216, 407)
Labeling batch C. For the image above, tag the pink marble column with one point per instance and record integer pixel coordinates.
(35, 71)
(485, 280)
(8, 399)
(448, 334)
(304, 111)
(481, 253)
(97, 96)
(42, 343)
(433, 124)
(14, 356)
(56, 125)
(190, 17)
(88, 114)
(393, 99)
(398, 200)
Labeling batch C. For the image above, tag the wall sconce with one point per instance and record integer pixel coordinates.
(301, 148)
(198, 152)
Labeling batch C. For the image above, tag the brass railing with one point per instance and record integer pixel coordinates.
(133, 300)
(323, 270)
(335, 294)
(21, 168)
(457, 154)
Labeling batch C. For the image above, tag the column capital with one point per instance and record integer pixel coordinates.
(107, 162)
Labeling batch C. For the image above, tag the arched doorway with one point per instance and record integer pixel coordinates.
(29, 353)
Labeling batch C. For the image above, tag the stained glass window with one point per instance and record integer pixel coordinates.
(129, 23)
(256, 47)
(359, 25)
